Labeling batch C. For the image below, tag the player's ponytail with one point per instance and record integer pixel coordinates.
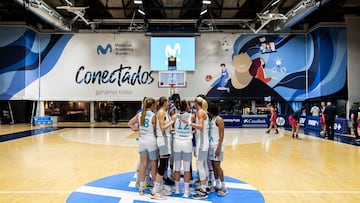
(146, 104)
(202, 102)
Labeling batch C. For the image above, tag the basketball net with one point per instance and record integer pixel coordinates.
(172, 89)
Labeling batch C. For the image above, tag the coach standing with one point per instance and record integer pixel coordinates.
(330, 115)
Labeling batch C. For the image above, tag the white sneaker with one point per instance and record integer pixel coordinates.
(186, 195)
(167, 190)
(200, 195)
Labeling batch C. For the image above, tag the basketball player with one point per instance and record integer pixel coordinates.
(294, 120)
(273, 117)
(147, 141)
(216, 149)
(182, 148)
(163, 134)
(134, 125)
(202, 144)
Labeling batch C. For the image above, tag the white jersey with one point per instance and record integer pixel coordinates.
(163, 137)
(214, 134)
(147, 131)
(202, 136)
(183, 131)
(166, 133)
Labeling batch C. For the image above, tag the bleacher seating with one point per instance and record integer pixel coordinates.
(37, 120)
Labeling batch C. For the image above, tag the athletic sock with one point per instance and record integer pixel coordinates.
(187, 187)
(203, 188)
(142, 185)
(177, 186)
(223, 184)
(156, 187)
(218, 183)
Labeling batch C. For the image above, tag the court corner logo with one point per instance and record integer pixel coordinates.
(103, 51)
(121, 188)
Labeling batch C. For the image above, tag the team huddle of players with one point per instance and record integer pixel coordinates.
(166, 138)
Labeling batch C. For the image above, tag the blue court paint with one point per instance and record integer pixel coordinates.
(13, 136)
(121, 187)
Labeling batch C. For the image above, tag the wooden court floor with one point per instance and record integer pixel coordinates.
(48, 167)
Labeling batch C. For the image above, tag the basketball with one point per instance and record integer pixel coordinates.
(208, 77)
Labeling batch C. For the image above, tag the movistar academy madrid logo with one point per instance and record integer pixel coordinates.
(103, 51)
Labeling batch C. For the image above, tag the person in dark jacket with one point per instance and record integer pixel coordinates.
(354, 122)
(330, 114)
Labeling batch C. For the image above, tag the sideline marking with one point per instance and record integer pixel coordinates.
(309, 192)
(34, 192)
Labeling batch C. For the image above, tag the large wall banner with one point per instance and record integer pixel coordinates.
(285, 67)
(100, 67)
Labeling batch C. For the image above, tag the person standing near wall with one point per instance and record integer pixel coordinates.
(294, 121)
(355, 121)
(358, 127)
(330, 115)
(322, 119)
(315, 110)
(113, 113)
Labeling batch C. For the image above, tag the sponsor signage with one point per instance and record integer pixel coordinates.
(302, 121)
(232, 120)
(313, 123)
(255, 121)
(341, 126)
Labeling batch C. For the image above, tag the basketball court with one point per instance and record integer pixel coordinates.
(83, 162)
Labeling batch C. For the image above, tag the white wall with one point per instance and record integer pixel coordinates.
(130, 50)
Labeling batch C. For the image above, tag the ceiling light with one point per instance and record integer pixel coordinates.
(203, 12)
(206, 2)
(137, 1)
(141, 12)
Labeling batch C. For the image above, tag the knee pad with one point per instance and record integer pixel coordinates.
(162, 166)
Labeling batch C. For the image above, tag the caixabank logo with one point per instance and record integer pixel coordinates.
(121, 189)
